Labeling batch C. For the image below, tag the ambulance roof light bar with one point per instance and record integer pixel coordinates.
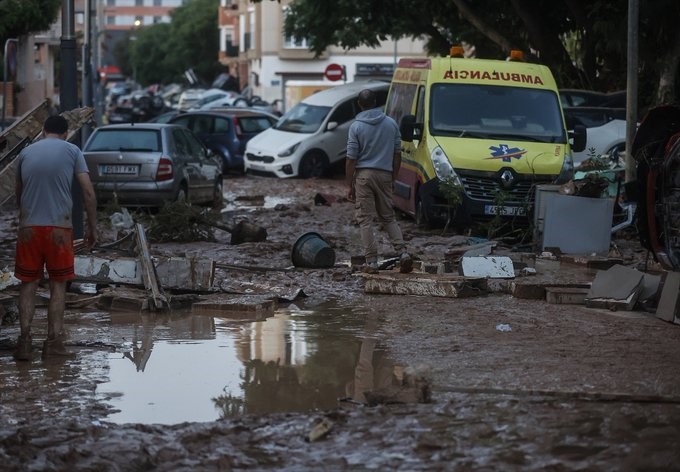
(516, 55)
(456, 51)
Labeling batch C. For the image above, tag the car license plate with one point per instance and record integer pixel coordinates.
(256, 167)
(503, 210)
(118, 169)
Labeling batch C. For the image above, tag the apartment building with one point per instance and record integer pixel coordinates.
(116, 17)
(277, 67)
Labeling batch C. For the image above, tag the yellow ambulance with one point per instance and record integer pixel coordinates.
(493, 129)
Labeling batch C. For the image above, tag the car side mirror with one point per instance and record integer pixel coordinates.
(409, 129)
(579, 138)
(331, 125)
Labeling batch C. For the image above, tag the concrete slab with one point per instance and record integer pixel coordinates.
(255, 308)
(566, 295)
(172, 272)
(617, 288)
(591, 262)
(535, 289)
(495, 267)
(451, 286)
(669, 304)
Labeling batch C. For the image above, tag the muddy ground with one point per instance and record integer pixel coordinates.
(565, 388)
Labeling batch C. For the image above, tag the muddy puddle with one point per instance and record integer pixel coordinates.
(197, 368)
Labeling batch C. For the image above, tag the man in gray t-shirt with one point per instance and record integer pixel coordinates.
(45, 174)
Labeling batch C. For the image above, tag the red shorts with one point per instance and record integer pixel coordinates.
(49, 246)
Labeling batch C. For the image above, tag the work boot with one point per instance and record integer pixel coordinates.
(370, 268)
(55, 348)
(24, 350)
(405, 263)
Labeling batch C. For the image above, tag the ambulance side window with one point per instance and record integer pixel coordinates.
(420, 107)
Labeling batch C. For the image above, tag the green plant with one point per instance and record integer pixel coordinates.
(453, 192)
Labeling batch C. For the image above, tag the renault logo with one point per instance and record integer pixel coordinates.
(507, 178)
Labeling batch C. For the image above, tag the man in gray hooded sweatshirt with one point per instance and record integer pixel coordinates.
(373, 161)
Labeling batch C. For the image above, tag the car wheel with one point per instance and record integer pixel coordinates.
(218, 194)
(182, 194)
(313, 165)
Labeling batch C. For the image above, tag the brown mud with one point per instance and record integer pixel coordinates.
(559, 387)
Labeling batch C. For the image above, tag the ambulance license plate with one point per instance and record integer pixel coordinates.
(504, 210)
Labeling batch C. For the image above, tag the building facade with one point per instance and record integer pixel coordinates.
(276, 67)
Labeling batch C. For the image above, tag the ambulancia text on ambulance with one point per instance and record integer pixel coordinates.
(493, 128)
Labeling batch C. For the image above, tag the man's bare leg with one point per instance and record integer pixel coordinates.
(55, 310)
(54, 344)
(26, 312)
(27, 306)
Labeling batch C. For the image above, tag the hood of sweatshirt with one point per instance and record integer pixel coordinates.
(372, 116)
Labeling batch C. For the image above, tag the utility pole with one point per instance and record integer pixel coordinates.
(632, 86)
(68, 98)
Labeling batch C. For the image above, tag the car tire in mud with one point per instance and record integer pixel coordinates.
(314, 164)
(182, 194)
(218, 195)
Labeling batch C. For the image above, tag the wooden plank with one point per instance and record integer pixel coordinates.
(158, 299)
(452, 286)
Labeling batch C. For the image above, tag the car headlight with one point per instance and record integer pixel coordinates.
(289, 151)
(442, 166)
(567, 171)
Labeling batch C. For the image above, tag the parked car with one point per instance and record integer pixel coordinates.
(605, 130)
(226, 132)
(147, 164)
(164, 117)
(312, 135)
(592, 98)
(212, 96)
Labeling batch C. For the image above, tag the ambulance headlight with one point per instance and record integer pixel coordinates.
(442, 166)
(567, 171)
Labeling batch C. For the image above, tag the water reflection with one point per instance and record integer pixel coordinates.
(201, 368)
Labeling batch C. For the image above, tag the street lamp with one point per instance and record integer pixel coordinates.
(135, 26)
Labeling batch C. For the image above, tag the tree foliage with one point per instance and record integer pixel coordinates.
(161, 53)
(20, 17)
(583, 42)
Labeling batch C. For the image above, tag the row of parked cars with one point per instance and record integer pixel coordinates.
(604, 117)
(184, 155)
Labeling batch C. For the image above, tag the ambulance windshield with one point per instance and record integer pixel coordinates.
(490, 111)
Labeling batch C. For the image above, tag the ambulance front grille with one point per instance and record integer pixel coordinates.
(485, 189)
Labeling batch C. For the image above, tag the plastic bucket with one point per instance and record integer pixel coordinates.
(312, 251)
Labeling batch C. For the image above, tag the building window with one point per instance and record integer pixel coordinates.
(139, 3)
(292, 42)
(110, 20)
(157, 3)
(157, 19)
(111, 3)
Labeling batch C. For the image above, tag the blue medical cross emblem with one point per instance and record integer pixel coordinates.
(505, 152)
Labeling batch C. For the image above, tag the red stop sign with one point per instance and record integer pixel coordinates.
(334, 72)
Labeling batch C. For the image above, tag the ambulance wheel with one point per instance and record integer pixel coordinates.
(421, 217)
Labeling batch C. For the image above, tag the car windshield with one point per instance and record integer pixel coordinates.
(254, 124)
(148, 140)
(302, 118)
(494, 112)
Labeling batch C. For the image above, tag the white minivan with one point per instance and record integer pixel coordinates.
(312, 135)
